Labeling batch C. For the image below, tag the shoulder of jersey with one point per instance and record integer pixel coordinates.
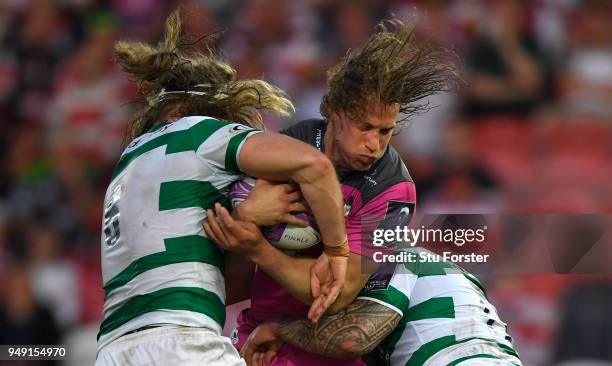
(183, 124)
(305, 130)
(393, 162)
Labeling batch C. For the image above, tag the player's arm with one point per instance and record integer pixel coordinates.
(245, 237)
(392, 208)
(293, 274)
(352, 332)
(279, 158)
(236, 149)
(238, 274)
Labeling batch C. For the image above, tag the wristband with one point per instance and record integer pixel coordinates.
(341, 250)
(345, 240)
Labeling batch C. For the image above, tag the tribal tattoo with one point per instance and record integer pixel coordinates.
(353, 331)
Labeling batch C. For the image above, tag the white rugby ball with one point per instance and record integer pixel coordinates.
(283, 236)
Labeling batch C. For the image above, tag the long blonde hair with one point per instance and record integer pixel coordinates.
(192, 83)
(390, 68)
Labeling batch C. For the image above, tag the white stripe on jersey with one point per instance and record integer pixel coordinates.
(397, 310)
(192, 274)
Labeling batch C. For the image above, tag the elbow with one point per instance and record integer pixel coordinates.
(315, 166)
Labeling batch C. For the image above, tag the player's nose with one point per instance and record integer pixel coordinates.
(372, 142)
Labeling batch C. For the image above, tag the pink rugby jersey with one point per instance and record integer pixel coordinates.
(381, 198)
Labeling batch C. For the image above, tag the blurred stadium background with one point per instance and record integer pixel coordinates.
(530, 131)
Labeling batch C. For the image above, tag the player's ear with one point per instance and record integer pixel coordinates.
(337, 120)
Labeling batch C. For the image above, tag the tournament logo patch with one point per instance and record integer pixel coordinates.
(378, 281)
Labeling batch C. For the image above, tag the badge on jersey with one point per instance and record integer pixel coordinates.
(398, 214)
(381, 279)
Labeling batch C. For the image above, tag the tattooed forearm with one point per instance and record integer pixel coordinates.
(353, 331)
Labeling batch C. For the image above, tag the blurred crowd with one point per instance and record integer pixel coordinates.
(528, 130)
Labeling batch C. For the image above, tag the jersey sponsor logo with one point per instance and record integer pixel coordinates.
(370, 179)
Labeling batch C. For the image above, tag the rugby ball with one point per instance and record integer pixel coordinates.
(283, 236)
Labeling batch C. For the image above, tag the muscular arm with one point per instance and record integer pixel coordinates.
(279, 158)
(353, 331)
(290, 272)
(293, 274)
(291, 158)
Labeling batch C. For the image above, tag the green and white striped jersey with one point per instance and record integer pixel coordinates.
(158, 266)
(445, 313)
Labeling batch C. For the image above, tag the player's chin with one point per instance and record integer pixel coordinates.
(362, 166)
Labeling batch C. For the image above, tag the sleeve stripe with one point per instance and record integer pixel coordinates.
(389, 296)
(381, 303)
(233, 149)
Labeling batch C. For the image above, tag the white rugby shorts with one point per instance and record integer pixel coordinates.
(475, 352)
(170, 345)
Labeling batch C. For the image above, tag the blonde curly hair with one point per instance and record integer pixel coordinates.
(174, 76)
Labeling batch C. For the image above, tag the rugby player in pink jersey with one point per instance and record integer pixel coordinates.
(368, 92)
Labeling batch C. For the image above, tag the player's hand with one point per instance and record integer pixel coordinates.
(269, 204)
(238, 236)
(263, 344)
(327, 277)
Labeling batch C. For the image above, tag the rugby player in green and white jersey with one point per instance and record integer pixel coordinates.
(163, 278)
(422, 312)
